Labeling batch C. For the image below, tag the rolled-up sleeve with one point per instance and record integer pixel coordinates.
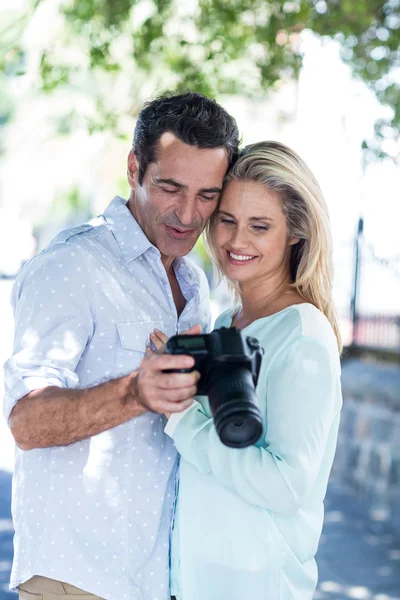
(53, 323)
(301, 409)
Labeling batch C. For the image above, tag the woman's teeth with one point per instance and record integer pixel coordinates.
(240, 256)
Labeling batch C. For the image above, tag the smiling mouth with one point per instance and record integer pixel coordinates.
(240, 259)
(179, 234)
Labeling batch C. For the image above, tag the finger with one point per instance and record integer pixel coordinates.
(161, 362)
(158, 344)
(195, 330)
(161, 336)
(178, 380)
(178, 394)
(174, 407)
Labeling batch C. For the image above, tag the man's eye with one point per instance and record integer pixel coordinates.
(169, 191)
(214, 197)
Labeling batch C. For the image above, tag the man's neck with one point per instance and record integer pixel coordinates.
(168, 262)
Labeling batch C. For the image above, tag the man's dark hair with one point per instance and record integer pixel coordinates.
(193, 118)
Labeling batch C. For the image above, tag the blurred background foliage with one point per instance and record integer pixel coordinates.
(117, 53)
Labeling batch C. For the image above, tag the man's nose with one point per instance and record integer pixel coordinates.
(186, 211)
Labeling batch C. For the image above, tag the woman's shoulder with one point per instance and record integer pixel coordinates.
(224, 319)
(295, 323)
(315, 325)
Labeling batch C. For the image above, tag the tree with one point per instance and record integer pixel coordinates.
(212, 46)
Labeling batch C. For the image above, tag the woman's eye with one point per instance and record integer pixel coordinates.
(260, 228)
(227, 221)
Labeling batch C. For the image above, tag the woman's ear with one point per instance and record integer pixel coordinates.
(293, 241)
(132, 170)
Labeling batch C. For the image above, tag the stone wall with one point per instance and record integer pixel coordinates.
(368, 453)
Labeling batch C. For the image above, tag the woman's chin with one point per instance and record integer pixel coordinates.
(237, 273)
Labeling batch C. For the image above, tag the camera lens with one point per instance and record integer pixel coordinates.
(233, 403)
(239, 433)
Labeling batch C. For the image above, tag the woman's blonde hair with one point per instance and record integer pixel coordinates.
(282, 171)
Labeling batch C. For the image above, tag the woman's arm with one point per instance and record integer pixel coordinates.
(302, 403)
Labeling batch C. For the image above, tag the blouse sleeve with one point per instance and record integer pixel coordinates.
(302, 405)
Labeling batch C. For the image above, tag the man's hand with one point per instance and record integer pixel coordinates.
(159, 340)
(162, 392)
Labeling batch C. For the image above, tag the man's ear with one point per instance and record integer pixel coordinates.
(133, 170)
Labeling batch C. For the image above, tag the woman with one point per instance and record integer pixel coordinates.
(248, 521)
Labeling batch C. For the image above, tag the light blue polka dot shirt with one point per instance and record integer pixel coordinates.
(97, 514)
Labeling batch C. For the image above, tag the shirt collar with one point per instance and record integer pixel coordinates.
(185, 270)
(126, 230)
(133, 242)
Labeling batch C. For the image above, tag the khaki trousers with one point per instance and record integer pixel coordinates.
(42, 588)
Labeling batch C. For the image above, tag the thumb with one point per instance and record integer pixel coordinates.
(195, 330)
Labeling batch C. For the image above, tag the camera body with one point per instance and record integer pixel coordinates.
(229, 364)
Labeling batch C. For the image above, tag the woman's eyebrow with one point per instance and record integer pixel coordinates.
(223, 212)
(260, 219)
(250, 219)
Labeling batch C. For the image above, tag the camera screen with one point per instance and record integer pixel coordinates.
(190, 341)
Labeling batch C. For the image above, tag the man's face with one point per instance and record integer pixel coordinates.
(179, 192)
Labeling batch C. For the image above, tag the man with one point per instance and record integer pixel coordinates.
(95, 474)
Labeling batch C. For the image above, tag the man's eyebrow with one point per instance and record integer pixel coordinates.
(171, 182)
(214, 190)
(181, 186)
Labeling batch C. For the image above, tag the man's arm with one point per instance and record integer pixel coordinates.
(54, 416)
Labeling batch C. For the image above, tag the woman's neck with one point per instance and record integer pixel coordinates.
(262, 299)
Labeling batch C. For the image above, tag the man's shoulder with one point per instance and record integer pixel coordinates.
(69, 247)
(79, 238)
(95, 228)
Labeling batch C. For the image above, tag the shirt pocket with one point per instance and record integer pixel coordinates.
(132, 340)
(23, 595)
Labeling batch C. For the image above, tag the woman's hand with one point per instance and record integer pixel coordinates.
(159, 339)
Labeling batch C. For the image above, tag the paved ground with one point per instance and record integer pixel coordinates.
(6, 533)
(357, 557)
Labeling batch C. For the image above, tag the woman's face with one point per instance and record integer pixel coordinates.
(250, 234)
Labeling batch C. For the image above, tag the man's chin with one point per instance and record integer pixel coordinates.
(176, 248)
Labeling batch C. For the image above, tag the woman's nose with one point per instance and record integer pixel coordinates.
(239, 239)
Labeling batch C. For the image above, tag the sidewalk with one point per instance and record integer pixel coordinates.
(356, 560)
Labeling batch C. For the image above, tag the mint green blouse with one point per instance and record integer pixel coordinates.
(248, 521)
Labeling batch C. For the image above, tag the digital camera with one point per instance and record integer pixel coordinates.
(229, 364)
